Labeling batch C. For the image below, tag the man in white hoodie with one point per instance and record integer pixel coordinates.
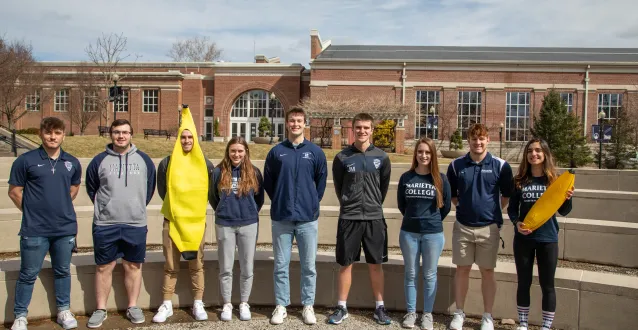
(120, 182)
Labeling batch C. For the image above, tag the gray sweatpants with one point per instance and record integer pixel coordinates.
(245, 238)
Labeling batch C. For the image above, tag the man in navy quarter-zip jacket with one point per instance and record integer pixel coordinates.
(295, 176)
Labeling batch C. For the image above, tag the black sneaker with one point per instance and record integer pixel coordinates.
(340, 314)
(381, 315)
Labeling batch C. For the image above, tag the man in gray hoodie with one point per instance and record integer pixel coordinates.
(120, 182)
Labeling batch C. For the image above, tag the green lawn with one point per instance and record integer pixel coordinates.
(156, 147)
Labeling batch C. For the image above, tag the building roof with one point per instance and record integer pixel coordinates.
(479, 54)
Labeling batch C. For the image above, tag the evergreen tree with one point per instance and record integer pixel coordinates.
(562, 131)
(618, 151)
(264, 127)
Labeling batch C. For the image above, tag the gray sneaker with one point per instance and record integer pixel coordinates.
(135, 315)
(427, 322)
(96, 319)
(408, 320)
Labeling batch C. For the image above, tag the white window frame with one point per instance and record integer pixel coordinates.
(256, 104)
(32, 101)
(568, 99)
(517, 110)
(425, 100)
(472, 102)
(122, 105)
(150, 101)
(89, 103)
(610, 103)
(61, 100)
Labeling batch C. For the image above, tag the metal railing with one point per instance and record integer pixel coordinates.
(14, 142)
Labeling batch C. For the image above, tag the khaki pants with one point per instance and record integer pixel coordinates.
(171, 267)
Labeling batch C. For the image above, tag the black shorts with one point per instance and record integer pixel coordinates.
(119, 241)
(352, 235)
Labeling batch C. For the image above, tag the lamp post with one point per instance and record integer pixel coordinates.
(431, 111)
(601, 116)
(273, 97)
(500, 139)
(115, 94)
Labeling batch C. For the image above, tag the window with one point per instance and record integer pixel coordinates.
(427, 121)
(568, 100)
(61, 102)
(516, 116)
(256, 104)
(90, 101)
(469, 111)
(208, 113)
(32, 101)
(150, 102)
(122, 104)
(610, 104)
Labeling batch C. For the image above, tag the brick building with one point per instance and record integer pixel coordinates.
(445, 87)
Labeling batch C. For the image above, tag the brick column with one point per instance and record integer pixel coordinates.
(336, 134)
(306, 133)
(399, 136)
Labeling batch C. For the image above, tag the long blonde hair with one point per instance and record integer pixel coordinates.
(524, 174)
(248, 178)
(434, 168)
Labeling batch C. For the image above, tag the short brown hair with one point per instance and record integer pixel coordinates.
(120, 122)
(477, 129)
(51, 123)
(296, 111)
(362, 116)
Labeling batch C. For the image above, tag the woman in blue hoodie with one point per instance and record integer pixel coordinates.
(237, 196)
(424, 199)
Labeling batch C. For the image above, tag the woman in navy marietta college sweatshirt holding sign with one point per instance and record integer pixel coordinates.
(424, 199)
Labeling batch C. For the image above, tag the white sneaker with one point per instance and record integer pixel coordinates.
(309, 315)
(521, 328)
(227, 312)
(457, 321)
(199, 313)
(67, 320)
(278, 315)
(163, 312)
(244, 312)
(487, 323)
(20, 323)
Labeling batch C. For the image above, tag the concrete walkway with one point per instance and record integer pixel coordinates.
(181, 319)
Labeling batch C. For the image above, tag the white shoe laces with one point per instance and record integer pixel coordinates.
(279, 310)
(66, 315)
(163, 308)
(227, 307)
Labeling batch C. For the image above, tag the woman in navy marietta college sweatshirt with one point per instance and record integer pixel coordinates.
(536, 172)
(424, 199)
(237, 196)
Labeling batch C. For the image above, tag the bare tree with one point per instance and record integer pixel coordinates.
(20, 76)
(107, 53)
(86, 102)
(332, 106)
(196, 49)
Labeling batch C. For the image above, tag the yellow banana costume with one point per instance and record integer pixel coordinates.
(550, 201)
(186, 191)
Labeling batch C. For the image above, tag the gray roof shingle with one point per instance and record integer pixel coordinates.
(478, 54)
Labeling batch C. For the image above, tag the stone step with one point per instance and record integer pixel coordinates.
(580, 293)
(593, 241)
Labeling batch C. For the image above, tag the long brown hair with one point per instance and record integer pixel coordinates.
(434, 168)
(524, 175)
(248, 179)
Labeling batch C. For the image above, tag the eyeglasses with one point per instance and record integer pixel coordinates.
(125, 133)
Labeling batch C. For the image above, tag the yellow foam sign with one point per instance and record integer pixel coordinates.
(550, 201)
(186, 197)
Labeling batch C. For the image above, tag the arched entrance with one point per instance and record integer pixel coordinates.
(248, 110)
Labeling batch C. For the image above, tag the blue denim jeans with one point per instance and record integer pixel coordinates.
(283, 233)
(414, 246)
(32, 253)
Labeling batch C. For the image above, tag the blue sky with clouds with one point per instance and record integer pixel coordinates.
(61, 29)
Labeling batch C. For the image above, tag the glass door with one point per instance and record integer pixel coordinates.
(208, 134)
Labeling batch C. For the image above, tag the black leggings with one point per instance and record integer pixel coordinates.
(547, 257)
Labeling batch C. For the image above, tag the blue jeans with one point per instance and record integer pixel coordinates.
(413, 247)
(32, 253)
(283, 232)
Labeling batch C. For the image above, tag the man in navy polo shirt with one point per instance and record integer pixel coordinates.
(42, 184)
(481, 185)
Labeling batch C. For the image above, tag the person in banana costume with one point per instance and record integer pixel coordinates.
(183, 183)
(535, 174)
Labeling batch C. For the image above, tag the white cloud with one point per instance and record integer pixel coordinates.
(61, 29)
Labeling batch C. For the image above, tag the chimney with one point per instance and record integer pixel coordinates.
(315, 44)
(261, 59)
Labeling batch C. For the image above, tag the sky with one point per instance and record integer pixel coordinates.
(60, 30)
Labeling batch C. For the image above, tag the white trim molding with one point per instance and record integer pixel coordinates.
(478, 85)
